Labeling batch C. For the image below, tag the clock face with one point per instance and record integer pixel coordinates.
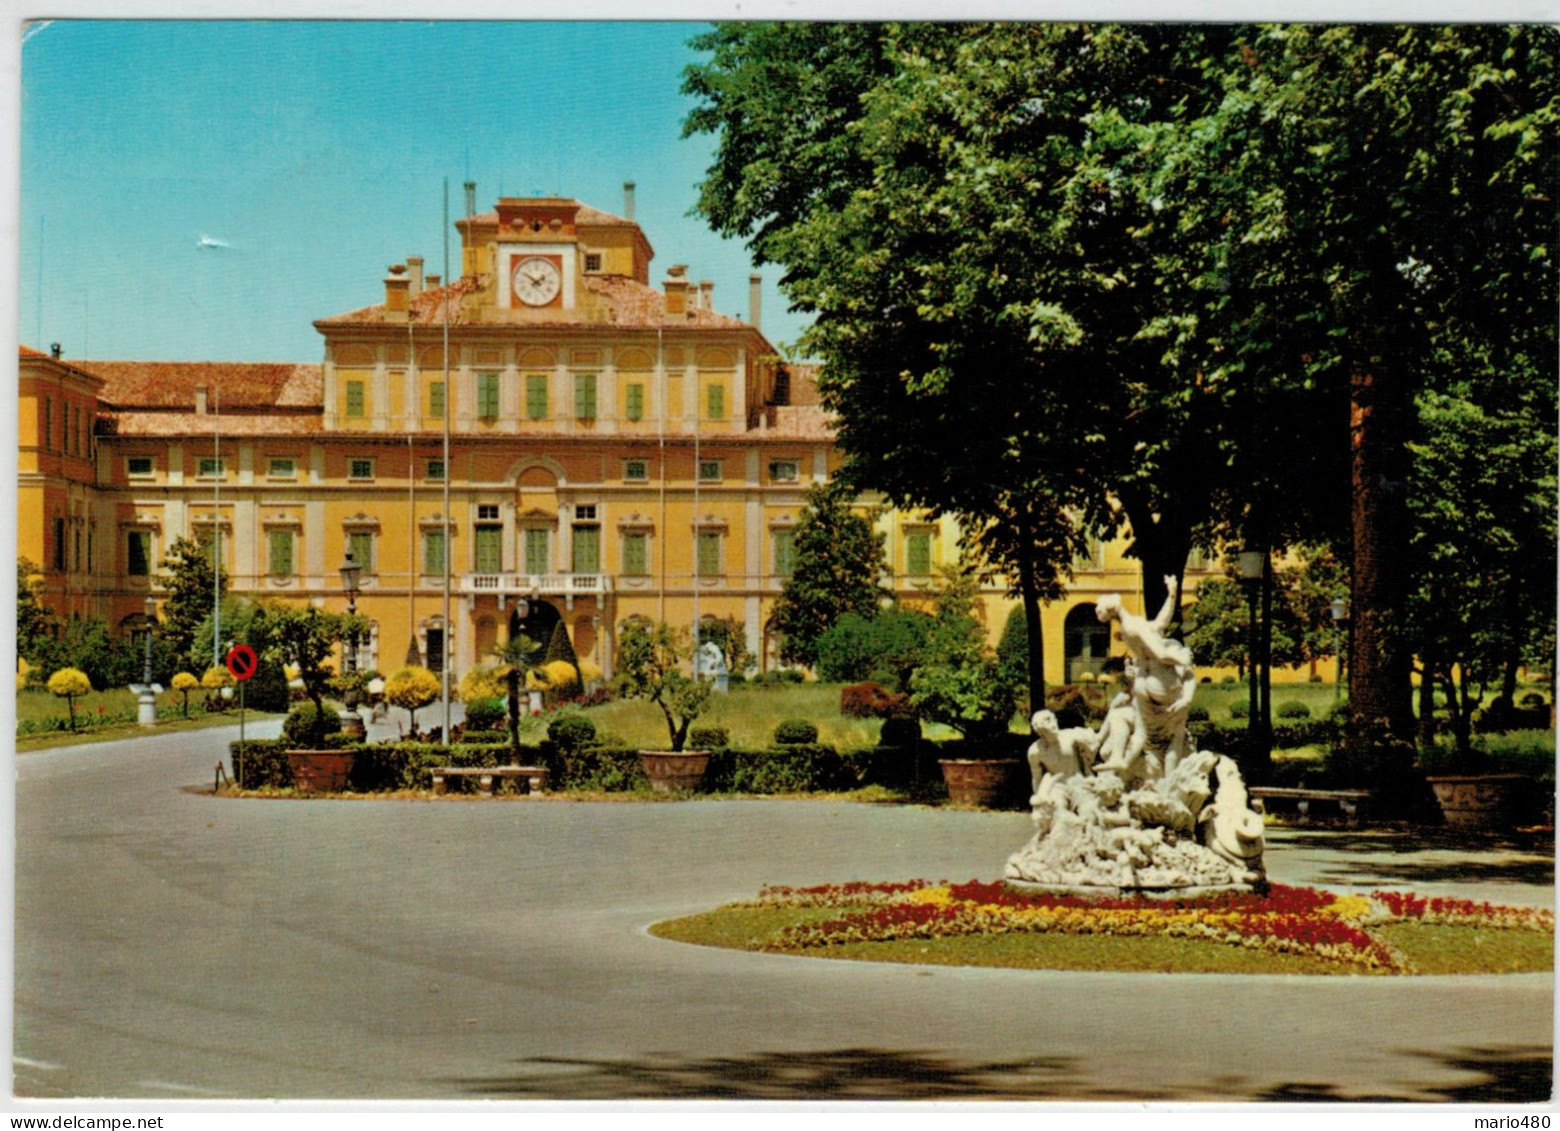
(536, 281)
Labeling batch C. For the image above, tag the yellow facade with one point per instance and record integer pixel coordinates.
(615, 450)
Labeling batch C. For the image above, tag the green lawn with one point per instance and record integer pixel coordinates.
(104, 715)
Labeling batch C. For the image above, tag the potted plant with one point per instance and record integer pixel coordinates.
(650, 659)
(305, 637)
(317, 766)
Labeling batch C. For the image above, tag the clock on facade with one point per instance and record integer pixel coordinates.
(536, 281)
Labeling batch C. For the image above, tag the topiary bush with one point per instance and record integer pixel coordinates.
(708, 738)
(308, 729)
(1293, 711)
(610, 769)
(1240, 709)
(1197, 713)
(486, 715)
(260, 762)
(793, 768)
(571, 732)
(793, 732)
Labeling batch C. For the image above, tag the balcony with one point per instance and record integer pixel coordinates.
(541, 584)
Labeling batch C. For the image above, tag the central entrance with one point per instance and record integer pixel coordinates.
(538, 623)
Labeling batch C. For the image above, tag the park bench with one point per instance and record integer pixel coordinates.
(535, 776)
(1350, 802)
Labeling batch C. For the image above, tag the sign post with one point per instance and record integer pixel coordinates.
(241, 664)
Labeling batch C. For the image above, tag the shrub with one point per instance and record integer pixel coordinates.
(478, 737)
(261, 762)
(794, 768)
(775, 678)
(571, 732)
(611, 769)
(68, 684)
(1531, 700)
(1240, 709)
(900, 732)
(1076, 705)
(794, 732)
(307, 729)
(709, 738)
(1197, 713)
(874, 701)
(1293, 711)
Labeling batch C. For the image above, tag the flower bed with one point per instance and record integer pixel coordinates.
(1291, 920)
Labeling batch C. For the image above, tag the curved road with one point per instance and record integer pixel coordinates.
(170, 944)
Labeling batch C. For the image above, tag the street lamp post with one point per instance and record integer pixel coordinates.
(352, 722)
(146, 698)
(1339, 610)
(1251, 563)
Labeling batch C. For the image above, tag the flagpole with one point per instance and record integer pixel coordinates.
(449, 404)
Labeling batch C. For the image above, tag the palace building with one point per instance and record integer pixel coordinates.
(617, 448)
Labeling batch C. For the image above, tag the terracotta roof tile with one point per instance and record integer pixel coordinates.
(28, 351)
(193, 424)
(804, 422)
(234, 384)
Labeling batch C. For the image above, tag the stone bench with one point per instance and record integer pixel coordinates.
(1350, 802)
(535, 777)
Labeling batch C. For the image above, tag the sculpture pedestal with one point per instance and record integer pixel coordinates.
(145, 704)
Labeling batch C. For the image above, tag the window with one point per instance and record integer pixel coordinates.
(487, 396)
(138, 466)
(435, 469)
(433, 551)
(211, 467)
(360, 544)
(709, 470)
(715, 402)
(785, 553)
(360, 469)
(488, 549)
(48, 423)
(1092, 556)
(585, 396)
(283, 469)
(585, 512)
(138, 553)
(635, 400)
(536, 397)
(59, 544)
(587, 549)
(918, 553)
(487, 512)
(709, 564)
(354, 398)
(636, 555)
(436, 398)
(783, 471)
(280, 556)
(637, 470)
(593, 261)
(536, 551)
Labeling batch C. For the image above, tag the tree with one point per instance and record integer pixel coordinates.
(650, 659)
(839, 558)
(184, 683)
(69, 684)
(561, 650)
(517, 660)
(412, 688)
(36, 627)
(959, 682)
(304, 637)
(192, 583)
(885, 648)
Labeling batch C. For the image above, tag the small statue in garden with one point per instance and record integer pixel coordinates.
(1165, 679)
(710, 663)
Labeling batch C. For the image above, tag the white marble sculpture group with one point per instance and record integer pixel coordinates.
(1135, 806)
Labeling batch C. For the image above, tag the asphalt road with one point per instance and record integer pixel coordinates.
(173, 945)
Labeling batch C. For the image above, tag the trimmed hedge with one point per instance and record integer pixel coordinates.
(796, 732)
(479, 737)
(264, 763)
(612, 769)
(571, 732)
(708, 738)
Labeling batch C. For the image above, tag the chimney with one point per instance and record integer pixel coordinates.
(414, 267)
(755, 301)
(677, 289)
(396, 284)
(55, 350)
(706, 294)
(628, 200)
(433, 282)
(201, 392)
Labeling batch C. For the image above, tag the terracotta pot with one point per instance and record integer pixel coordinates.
(320, 771)
(1480, 801)
(670, 771)
(987, 782)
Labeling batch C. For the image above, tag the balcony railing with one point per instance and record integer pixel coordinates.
(543, 584)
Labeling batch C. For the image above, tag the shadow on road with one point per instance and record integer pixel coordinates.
(1523, 1074)
(1435, 856)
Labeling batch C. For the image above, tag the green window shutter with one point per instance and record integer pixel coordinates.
(919, 554)
(433, 551)
(436, 398)
(636, 401)
(360, 544)
(489, 549)
(584, 396)
(785, 553)
(354, 398)
(709, 563)
(487, 396)
(138, 559)
(281, 556)
(636, 560)
(716, 402)
(536, 551)
(536, 397)
(587, 549)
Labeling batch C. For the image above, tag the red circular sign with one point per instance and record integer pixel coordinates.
(242, 661)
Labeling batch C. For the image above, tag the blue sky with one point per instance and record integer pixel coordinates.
(318, 152)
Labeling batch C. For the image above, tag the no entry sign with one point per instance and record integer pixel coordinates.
(242, 662)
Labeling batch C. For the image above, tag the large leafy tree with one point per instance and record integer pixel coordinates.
(191, 582)
(839, 559)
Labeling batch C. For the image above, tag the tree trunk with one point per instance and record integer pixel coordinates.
(512, 678)
(1267, 654)
(1380, 405)
(1034, 638)
(1427, 702)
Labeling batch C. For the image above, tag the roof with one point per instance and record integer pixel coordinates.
(584, 215)
(233, 384)
(621, 302)
(170, 424)
(802, 422)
